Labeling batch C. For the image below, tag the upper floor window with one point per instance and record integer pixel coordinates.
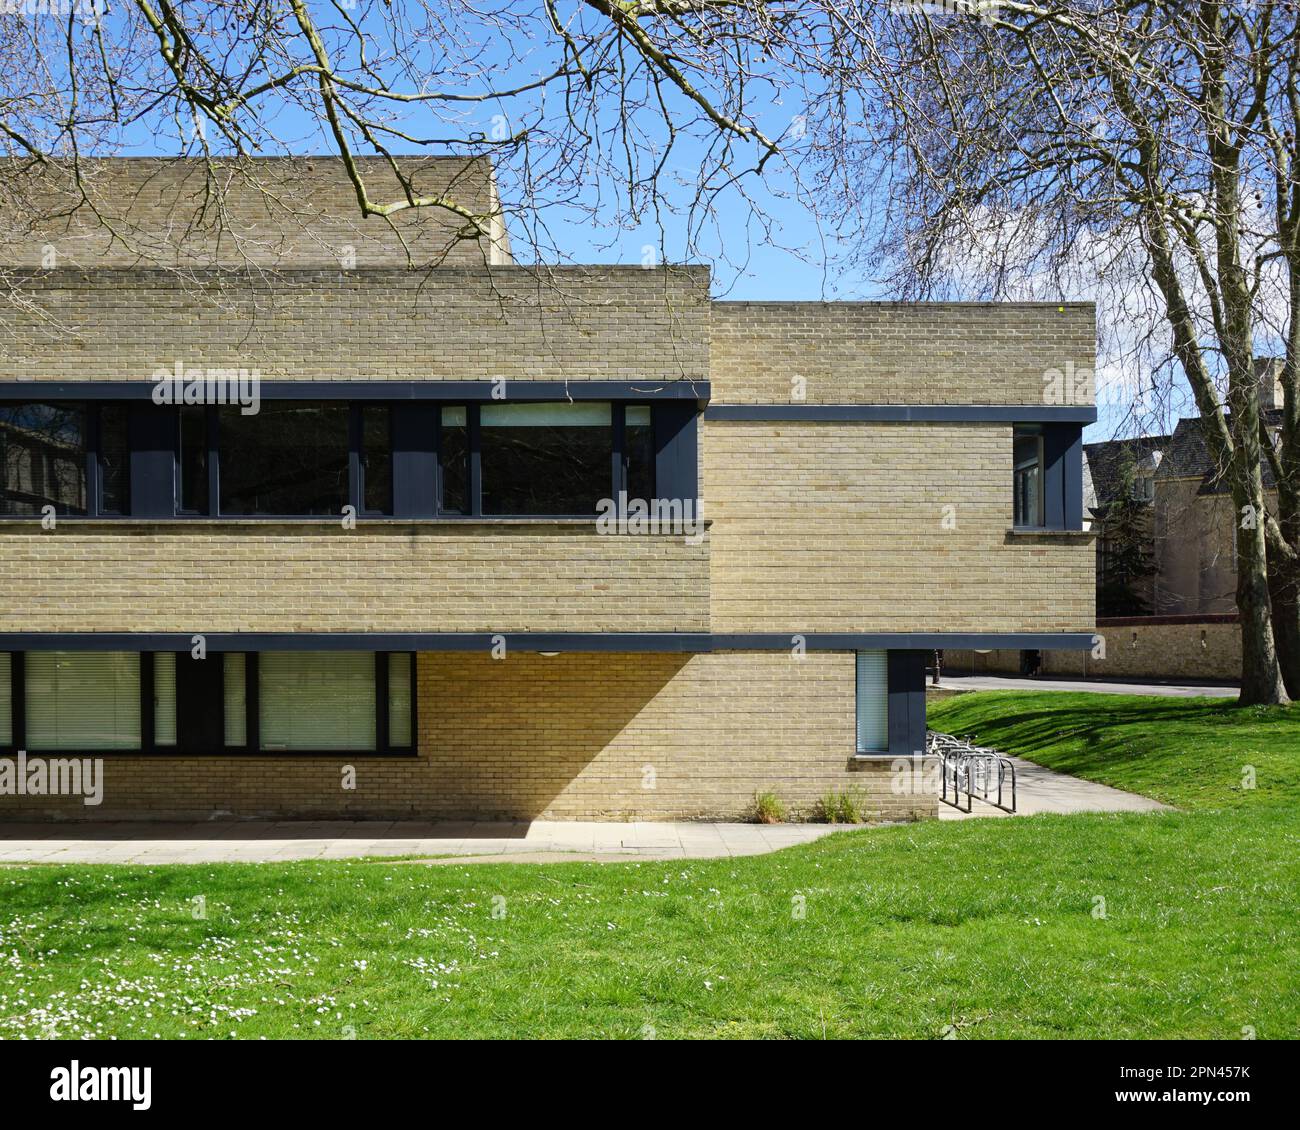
(546, 458)
(325, 458)
(1028, 475)
(289, 458)
(69, 456)
(1144, 488)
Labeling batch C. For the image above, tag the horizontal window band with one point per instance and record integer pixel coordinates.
(904, 413)
(687, 642)
(229, 751)
(514, 390)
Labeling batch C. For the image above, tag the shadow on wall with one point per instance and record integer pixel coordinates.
(507, 738)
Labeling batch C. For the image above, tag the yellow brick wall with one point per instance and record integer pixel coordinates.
(896, 353)
(835, 527)
(1191, 649)
(272, 211)
(454, 324)
(290, 577)
(575, 736)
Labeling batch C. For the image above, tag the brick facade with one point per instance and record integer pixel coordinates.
(568, 737)
(814, 527)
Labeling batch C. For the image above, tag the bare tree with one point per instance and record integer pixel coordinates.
(983, 147)
(601, 110)
(1030, 141)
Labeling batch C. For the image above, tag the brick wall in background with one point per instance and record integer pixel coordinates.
(1154, 647)
(262, 212)
(896, 353)
(574, 736)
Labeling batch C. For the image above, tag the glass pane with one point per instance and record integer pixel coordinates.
(6, 704)
(546, 458)
(83, 700)
(236, 710)
(453, 453)
(164, 698)
(289, 459)
(873, 702)
(42, 458)
(317, 700)
(639, 446)
(399, 699)
(193, 463)
(377, 458)
(114, 460)
(1028, 487)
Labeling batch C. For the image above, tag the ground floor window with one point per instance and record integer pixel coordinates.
(317, 700)
(233, 702)
(873, 701)
(82, 700)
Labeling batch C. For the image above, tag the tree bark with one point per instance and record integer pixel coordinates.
(1284, 593)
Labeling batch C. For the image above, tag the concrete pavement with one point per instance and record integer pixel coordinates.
(280, 842)
(1041, 790)
(1094, 686)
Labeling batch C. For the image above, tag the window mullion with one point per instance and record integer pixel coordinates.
(618, 419)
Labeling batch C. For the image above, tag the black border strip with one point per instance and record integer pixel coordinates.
(906, 413)
(514, 390)
(701, 642)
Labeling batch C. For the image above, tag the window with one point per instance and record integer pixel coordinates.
(548, 459)
(1144, 488)
(639, 452)
(314, 459)
(6, 702)
(42, 458)
(873, 701)
(235, 700)
(1028, 484)
(290, 702)
(399, 698)
(326, 700)
(377, 459)
(164, 698)
(82, 700)
(288, 459)
(453, 450)
(114, 460)
(192, 461)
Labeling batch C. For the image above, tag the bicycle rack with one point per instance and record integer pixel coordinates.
(971, 768)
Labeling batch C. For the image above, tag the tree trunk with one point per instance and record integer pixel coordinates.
(1284, 592)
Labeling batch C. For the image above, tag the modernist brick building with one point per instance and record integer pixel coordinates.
(877, 480)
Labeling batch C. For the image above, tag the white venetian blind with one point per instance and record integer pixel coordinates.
(236, 711)
(6, 705)
(164, 698)
(311, 700)
(399, 698)
(873, 702)
(83, 700)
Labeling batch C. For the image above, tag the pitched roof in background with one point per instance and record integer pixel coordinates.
(1106, 461)
(1188, 456)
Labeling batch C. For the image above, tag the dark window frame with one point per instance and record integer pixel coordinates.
(251, 748)
(153, 470)
(1060, 478)
(1018, 433)
(618, 472)
(92, 463)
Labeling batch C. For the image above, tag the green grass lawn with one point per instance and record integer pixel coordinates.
(983, 929)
